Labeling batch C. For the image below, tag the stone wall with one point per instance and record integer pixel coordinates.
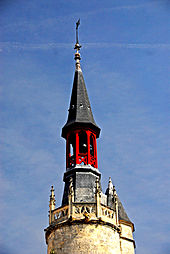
(82, 238)
(127, 247)
(126, 231)
(126, 238)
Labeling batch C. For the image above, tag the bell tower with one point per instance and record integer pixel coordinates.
(88, 220)
(80, 132)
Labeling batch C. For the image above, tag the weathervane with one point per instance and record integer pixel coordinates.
(77, 45)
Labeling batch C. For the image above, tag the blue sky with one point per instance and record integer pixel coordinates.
(125, 61)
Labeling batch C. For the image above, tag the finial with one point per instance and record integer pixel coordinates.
(110, 186)
(52, 199)
(77, 25)
(77, 47)
(52, 192)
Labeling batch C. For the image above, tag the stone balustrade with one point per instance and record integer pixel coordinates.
(79, 210)
(108, 214)
(59, 214)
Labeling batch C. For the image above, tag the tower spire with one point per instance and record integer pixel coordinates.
(77, 48)
(80, 113)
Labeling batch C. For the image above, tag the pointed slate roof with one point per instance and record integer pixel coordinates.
(121, 212)
(80, 113)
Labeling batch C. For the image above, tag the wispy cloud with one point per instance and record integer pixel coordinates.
(8, 46)
(124, 7)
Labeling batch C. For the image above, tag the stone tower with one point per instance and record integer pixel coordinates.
(88, 221)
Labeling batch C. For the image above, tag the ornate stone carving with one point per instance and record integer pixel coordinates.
(60, 213)
(84, 208)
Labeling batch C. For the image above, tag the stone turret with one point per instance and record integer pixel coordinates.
(88, 220)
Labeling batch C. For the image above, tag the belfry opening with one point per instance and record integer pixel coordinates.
(81, 148)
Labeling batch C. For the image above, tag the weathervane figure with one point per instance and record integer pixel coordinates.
(77, 25)
(77, 46)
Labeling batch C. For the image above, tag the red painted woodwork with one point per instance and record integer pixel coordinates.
(81, 148)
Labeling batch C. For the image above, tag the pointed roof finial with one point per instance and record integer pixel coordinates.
(109, 190)
(52, 199)
(110, 184)
(77, 47)
(52, 192)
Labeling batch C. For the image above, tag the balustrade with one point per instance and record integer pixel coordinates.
(62, 213)
(107, 212)
(81, 209)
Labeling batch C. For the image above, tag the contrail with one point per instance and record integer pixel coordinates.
(128, 45)
(8, 46)
(31, 46)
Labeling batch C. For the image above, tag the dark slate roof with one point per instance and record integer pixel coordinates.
(121, 212)
(80, 113)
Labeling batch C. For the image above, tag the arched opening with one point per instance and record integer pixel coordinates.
(71, 150)
(83, 142)
(82, 148)
(72, 144)
(92, 145)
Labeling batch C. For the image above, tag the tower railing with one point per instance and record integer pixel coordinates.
(59, 214)
(80, 211)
